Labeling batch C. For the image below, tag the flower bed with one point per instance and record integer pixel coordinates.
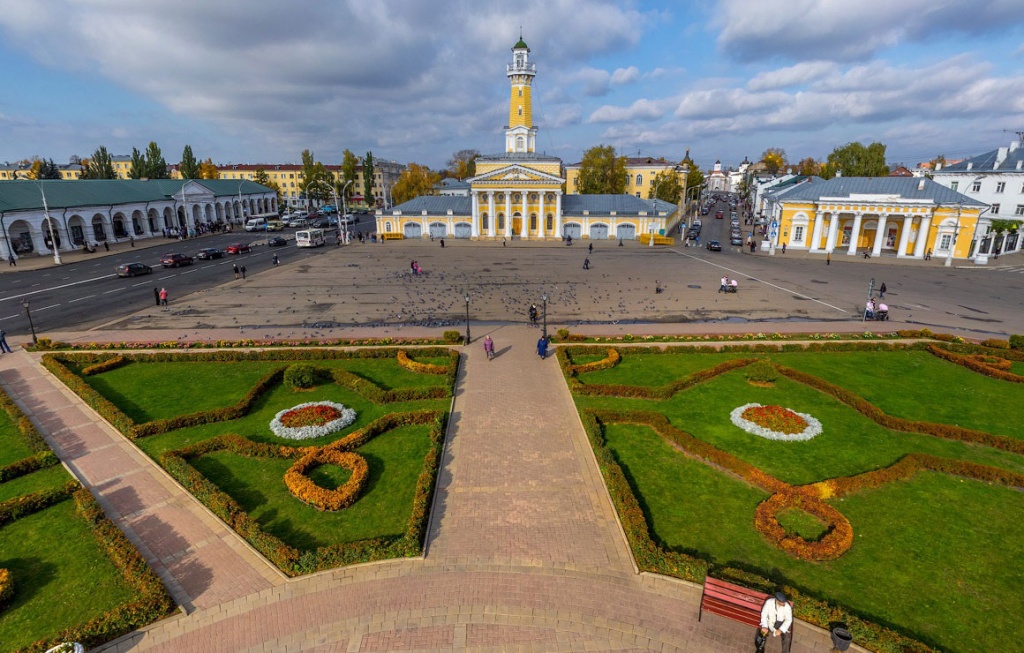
(305, 490)
(419, 368)
(311, 420)
(775, 423)
(834, 544)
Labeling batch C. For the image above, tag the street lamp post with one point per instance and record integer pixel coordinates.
(49, 224)
(956, 232)
(467, 318)
(31, 326)
(544, 298)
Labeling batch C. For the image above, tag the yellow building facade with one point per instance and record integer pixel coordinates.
(641, 173)
(902, 216)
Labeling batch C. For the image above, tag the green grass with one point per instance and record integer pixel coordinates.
(1017, 367)
(804, 524)
(12, 447)
(395, 459)
(43, 479)
(654, 369)
(62, 577)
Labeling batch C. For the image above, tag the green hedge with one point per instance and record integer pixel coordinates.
(31, 438)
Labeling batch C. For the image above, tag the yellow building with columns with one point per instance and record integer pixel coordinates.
(518, 193)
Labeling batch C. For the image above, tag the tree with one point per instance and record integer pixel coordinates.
(155, 165)
(349, 164)
(463, 164)
(189, 167)
(808, 167)
(602, 171)
(99, 165)
(665, 186)
(855, 160)
(415, 181)
(368, 178)
(694, 178)
(207, 170)
(138, 168)
(261, 178)
(75, 160)
(774, 159)
(47, 170)
(313, 173)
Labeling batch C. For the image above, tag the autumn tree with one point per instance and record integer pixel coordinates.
(349, 165)
(415, 181)
(99, 165)
(855, 160)
(665, 186)
(208, 170)
(695, 177)
(602, 172)
(808, 167)
(316, 181)
(774, 159)
(138, 166)
(45, 169)
(368, 179)
(463, 164)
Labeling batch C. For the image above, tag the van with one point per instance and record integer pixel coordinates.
(310, 238)
(256, 224)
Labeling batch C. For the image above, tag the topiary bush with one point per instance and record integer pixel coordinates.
(562, 335)
(301, 376)
(762, 372)
(452, 336)
(995, 343)
(1017, 342)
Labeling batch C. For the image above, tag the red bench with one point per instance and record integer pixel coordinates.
(731, 601)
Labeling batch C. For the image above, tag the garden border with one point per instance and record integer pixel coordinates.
(42, 456)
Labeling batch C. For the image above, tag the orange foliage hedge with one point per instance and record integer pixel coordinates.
(111, 363)
(6, 588)
(971, 362)
(663, 392)
(305, 490)
(606, 363)
(834, 544)
(419, 368)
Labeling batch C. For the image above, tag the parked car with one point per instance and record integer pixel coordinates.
(276, 241)
(275, 225)
(238, 248)
(348, 218)
(296, 221)
(133, 269)
(175, 260)
(719, 215)
(736, 240)
(714, 246)
(209, 253)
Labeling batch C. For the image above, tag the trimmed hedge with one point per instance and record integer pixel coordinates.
(971, 362)
(1017, 342)
(27, 504)
(301, 376)
(111, 363)
(106, 408)
(31, 438)
(6, 588)
(305, 490)
(419, 368)
(836, 542)
(663, 392)
(28, 465)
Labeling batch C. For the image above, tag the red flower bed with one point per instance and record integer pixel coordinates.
(776, 418)
(310, 416)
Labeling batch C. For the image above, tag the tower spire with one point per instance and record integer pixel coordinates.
(520, 134)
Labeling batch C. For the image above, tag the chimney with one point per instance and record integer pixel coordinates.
(1014, 145)
(1000, 156)
(839, 173)
(920, 184)
(970, 165)
(938, 166)
(1019, 162)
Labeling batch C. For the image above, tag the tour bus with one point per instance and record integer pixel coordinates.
(310, 238)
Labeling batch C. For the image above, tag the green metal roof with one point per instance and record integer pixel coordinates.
(25, 195)
(521, 45)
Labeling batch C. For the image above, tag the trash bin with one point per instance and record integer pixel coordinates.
(841, 639)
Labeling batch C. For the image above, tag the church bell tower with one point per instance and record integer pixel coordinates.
(520, 134)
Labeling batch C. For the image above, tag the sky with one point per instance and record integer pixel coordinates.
(256, 81)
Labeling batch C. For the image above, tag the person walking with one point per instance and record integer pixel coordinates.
(163, 297)
(777, 619)
(156, 295)
(881, 291)
(533, 315)
(591, 248)
(783, 248)
(12, 262)
(828, 258)
(242, 270)
(724, 287)
(237, 271)
(503, 243)
(489, 347)
(4, 347)
(106, 246)
(442, 243)
(586, 264)
(542, 347)
(275, 260)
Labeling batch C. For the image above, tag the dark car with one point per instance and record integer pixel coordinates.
(133, 269)
(714, 246)
(277, 241)
(238, 248)
(175, 260)
(209, 253)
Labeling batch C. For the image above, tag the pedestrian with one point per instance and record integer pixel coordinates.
(156, 295)
(106, 246)
(828, 258)
(237, 271)
(586, 264)
(12, 262)
(275, 260)
(131, 239)
(503, 243)
(783, 248)
(4, 347)
(442, 243)
(753, 246)
(591, 248)
(928, 255)
(533, 315)
(777, 619)
(881, 291)
(242, 269)
(489, 347)
(542, 347)
(620, 242)
(725, 285)
(163, 297)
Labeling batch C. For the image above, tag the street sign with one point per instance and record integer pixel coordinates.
(775, 225)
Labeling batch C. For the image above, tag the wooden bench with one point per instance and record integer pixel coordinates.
(731, 601)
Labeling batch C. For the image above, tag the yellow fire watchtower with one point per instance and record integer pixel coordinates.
(520, 134)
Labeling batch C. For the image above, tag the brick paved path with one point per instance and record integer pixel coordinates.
(523, 550)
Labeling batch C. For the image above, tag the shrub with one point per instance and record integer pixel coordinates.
(995, 343)
(834, 544)
(419, 368)
(562, 335)
(6, 588)
(452, 336)
(1017, 342)
(111, 363)
(761, 372)
(301, 376)
(305, 490)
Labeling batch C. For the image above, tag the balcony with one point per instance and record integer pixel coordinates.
(528, 69)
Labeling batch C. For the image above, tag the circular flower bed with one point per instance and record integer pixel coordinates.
(775, 422)
(311, 420)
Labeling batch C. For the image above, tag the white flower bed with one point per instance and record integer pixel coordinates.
(813, 426)
(307, 432)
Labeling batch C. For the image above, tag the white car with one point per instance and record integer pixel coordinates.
(348, 218)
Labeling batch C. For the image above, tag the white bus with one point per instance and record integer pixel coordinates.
(310, 238)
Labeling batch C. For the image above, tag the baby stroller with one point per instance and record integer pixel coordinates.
(882, 314)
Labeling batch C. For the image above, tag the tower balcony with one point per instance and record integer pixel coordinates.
(526, 69)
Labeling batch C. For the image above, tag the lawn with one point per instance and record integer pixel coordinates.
(12, 445)
(937, 557)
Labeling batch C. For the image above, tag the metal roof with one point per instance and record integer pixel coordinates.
(987, 162)
(25, 195)
(911, 188)
(434, 205)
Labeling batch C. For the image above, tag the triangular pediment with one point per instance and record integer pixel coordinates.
(516, 173)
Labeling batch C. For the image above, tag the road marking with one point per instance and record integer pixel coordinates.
(767, 283)
(189, 271)
(107, 292)
(66, 285)
(81, 299)
(169, 276)
(136, 285)
(40, 310)
(11, 317)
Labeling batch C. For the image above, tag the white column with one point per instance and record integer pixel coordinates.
(474, 220)
(491, 228)
(879, 236)
(922, 236)
(819, 223)
(901, 248)
(508, 213)
(540, 215)
(558, 213)
(855, 234)
(525, 228)
(833, 232)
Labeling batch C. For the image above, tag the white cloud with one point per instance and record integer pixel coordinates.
(639, 110)
(797, 75)
(625, 75)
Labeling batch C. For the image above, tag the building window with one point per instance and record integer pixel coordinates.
(638, 194)
(550, 222)
(520, 111)
(533, 222)
(1019, 210)
(1000, 186)
(484, 222)
(945, 241)
(520, 92)
(639, 180)
(995, 209)
(976, 187)
(798, 234)
(501, 221)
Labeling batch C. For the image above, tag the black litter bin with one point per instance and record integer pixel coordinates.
(841, 639)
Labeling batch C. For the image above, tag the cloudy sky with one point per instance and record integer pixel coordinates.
(255, 81)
